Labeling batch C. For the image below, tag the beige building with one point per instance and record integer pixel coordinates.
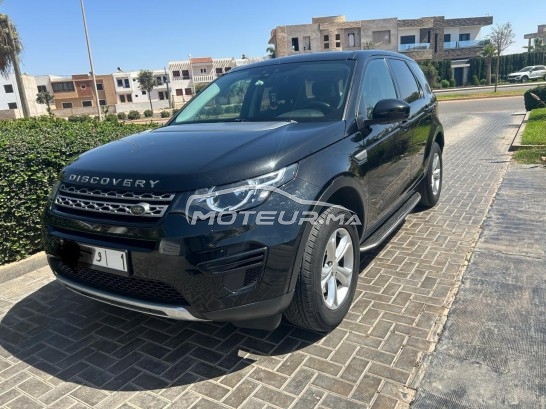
(540, 33)
(427, 38)
(75, 95)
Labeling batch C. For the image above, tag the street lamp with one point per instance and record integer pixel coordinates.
(97, 102)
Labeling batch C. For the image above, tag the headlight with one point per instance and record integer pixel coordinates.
(236, 196)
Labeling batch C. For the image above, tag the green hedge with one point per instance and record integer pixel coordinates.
(531, 102)
(32, 152)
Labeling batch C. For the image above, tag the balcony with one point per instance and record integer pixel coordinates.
(464, 44)
(414, 47)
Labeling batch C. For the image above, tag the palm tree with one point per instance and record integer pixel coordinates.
(271, 51)
(488, 52)
(10, 49)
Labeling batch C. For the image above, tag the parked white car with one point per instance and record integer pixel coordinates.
(532, 72)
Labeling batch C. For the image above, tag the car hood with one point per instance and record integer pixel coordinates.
(191, 156)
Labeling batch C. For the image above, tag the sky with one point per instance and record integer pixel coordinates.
(144, 34)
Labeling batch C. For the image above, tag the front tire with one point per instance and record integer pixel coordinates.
(329, 273)
(432, 184)
(524, 79)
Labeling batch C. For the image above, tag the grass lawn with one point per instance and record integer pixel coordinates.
(485, 94)
(534, 134)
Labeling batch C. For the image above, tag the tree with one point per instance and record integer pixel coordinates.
(431, 73)
(10, 49)
(488, 52)
(147, 82)
(46, 98)
(502, 37)
(270, 51)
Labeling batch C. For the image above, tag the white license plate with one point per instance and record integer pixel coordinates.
(100, 256)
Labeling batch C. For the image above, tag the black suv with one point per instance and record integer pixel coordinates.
(257, 198)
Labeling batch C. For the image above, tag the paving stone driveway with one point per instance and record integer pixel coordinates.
(61, 350)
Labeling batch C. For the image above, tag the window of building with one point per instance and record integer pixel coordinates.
(122, 98)
(407, 39)
(176, 74)
(42, 88)
(159, 80)
(102, 102)
(307, 43)
(67, 86)
(67, 105)
(8, 88)
(447, 38)
(100, 87)
(409, 90)
(185, 74)
(338, 40)
(129, 98)
(382, 37)
(162, 95)
(351, 40)
(123, 82)
(12, 105)
(188, 91)
(326, 39)
(203, 70)
(464, 37)
(219, 71)
(179, 92)
(87, 104)
(227, 69)
(83, 86)
(295, 44)
(143, 92)
(126, 98)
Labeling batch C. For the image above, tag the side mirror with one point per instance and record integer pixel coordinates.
(389, 111)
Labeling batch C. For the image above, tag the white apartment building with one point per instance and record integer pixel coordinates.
(186, 75)
(10, 102)
(131, 97)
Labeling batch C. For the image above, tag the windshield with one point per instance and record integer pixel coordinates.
(525, 69)
(304, 91)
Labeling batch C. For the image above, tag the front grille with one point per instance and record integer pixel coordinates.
(83, 200)
(135, 287)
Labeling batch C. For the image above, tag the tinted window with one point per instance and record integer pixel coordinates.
(420, 76)
(409, 90)
(377, 85)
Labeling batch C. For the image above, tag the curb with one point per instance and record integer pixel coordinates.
(19, 268)
(516, 142)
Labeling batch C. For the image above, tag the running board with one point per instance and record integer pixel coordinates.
(394, 221)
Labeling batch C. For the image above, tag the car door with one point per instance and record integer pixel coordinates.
(419, 124)
(383, 174)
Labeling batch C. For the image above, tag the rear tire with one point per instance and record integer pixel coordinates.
(431, 186)
(329, 273)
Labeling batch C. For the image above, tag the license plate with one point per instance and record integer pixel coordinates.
(100, 256)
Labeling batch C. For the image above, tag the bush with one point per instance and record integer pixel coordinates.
(493, 78)
(133, 115)
(452, 82)
(165, 114)
(111, 118)
(148, 113)
(475, 80)
(79, 118)
(444, 83)
(122, 116)
(532, 102)
(32, 153)
(483, 81)
(174, 112)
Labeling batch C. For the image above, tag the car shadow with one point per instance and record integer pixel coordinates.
(83, 341)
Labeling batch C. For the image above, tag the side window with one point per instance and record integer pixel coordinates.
(420, 76)
(376, 85)
(409, 90)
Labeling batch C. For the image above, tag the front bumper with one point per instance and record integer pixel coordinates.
(181, 271)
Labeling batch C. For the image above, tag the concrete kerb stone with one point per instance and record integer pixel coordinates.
(22, 267)
(516, 143)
